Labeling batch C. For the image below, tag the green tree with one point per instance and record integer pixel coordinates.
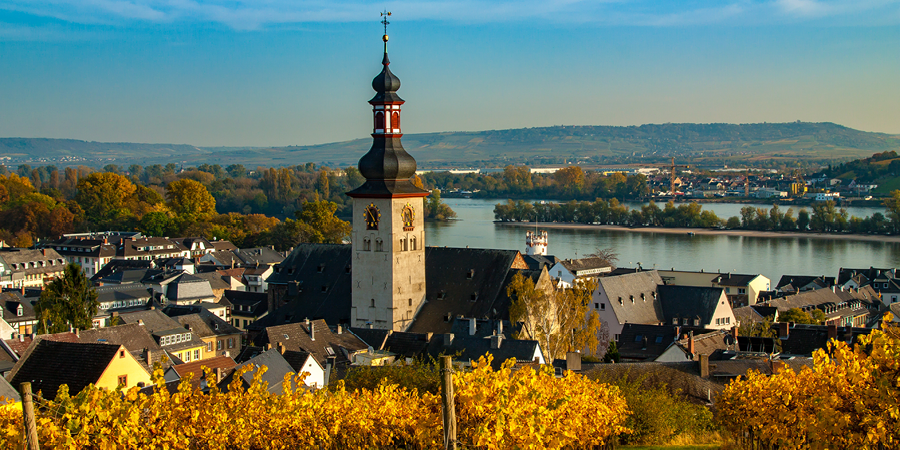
(190, 200)
(435, 209)
(319, 225)
(892, 204)
(797, 315)
(322, 186)
(612, 353)
(155, 223)
(68, 301)
(803, 220)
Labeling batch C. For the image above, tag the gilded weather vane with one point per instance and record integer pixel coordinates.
(384, 15)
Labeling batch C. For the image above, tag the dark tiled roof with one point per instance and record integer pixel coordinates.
(538, 262)
(407, 345)
(10, 302)
(254, 304)
(470, 348)
(639, 342)
(296, 359)
(579, 265)
(134, 337)
(747, 315)
(801, 281)
(258, 256)
(803, 340)
(276, 366)
(215, 280)
(845, 274)
(123, 292)
(51, 364)
(7, 392)
(158, 324)
(207, 324)
(21, 344)
(23, 260)
(296, 336)
(187, 287)
(122, 271)
(734, 279)
(690, 302)
(94, 248)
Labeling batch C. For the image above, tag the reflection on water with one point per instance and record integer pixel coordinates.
(771, 257)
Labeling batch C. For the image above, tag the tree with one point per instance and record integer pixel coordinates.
(69, 301)
(608, 255)
(797, 315)
(892, 204)
(103, 197)
(190, 200)
(559, 319)
(322, 186)
(612, 353)
(318, 224)
(435, 209)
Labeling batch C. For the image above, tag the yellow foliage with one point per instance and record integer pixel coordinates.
(849, 399)
(502, 409)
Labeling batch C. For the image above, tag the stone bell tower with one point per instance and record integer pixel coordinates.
(388, 270)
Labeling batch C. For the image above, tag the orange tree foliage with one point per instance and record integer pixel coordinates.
(849, 399)
(502, 409)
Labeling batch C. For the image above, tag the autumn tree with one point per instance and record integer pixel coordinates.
(104, 196)
(570, 180)
(559, 319)
(319, 225)
(435, 209)
(68, 301)
(189, 200)
(797, 315)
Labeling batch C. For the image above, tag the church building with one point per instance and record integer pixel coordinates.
(387, 278)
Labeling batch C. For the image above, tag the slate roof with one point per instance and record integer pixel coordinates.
(872, 273)
(125, 292)
(538, 262)
(296, 359)
(407, 345)
(9, 307)
(27, 261)
(296, 336)
(207, 324)
(215, 280)
(7, 392)
(734, 279)
(276, 366)
(122, 271)
(804, 339)
(189, 288)
(708, 343)
(797, 282)
(470, 348)
(148, 246)
(223, 245)
(579, 265)
(51, 364)
(689, 302)
(483, 327)
(826, 298)
(258, 256)
(254, 304)
(747, 314)
(94, 248)
(158, 324)
(630, 286)
(640, 342)
(134, 337)
(453, 277)
(224, 258)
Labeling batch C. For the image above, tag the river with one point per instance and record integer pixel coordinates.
(772, 257)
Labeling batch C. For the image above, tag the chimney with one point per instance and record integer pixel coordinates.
(340, 330)
(220, 374)
(77, 333)
(281, 348)
(500, 327)
(141, 322)
(690, 344)
(21, 337)
(784, 330)
(833, 288)
(734, 334)
(496, 340)
(448, 339)
(306, 321)
(832, 331)
(312, 331)
(573, 361)
(148, 355)
(269, 346)
(428, 336)
(704, 366)
(472, 326)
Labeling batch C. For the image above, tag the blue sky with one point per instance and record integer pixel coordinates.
(279, 72)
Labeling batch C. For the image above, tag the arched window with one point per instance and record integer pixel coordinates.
(372, 305)
(413, 245)
(379, 245)
(367, 244)
(395, 120)
(379, 120)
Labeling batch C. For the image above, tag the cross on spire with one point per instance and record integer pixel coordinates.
(384, 15)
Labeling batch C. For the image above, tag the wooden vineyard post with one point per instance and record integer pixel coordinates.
(449, 405)
(31, 436)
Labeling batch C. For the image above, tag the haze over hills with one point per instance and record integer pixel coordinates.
(765, 145)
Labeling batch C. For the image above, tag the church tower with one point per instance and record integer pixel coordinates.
(388, 273)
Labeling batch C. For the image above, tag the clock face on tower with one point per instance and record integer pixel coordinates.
(408, 215)
(372, 217)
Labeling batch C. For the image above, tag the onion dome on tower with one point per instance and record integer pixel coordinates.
(387, 167)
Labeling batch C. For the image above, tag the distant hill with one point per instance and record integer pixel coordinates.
(765, 144)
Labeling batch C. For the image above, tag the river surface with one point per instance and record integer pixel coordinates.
(772, 257)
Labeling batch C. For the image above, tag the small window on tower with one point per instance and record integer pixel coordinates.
(372, 305)
(379, 120)
(395, 120)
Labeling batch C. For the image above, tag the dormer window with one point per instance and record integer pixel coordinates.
(20, 311)
(321, 268)
(470, 274)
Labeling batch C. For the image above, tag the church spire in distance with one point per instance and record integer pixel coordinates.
(387, 167)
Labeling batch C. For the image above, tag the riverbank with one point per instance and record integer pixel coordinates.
(709, 232)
